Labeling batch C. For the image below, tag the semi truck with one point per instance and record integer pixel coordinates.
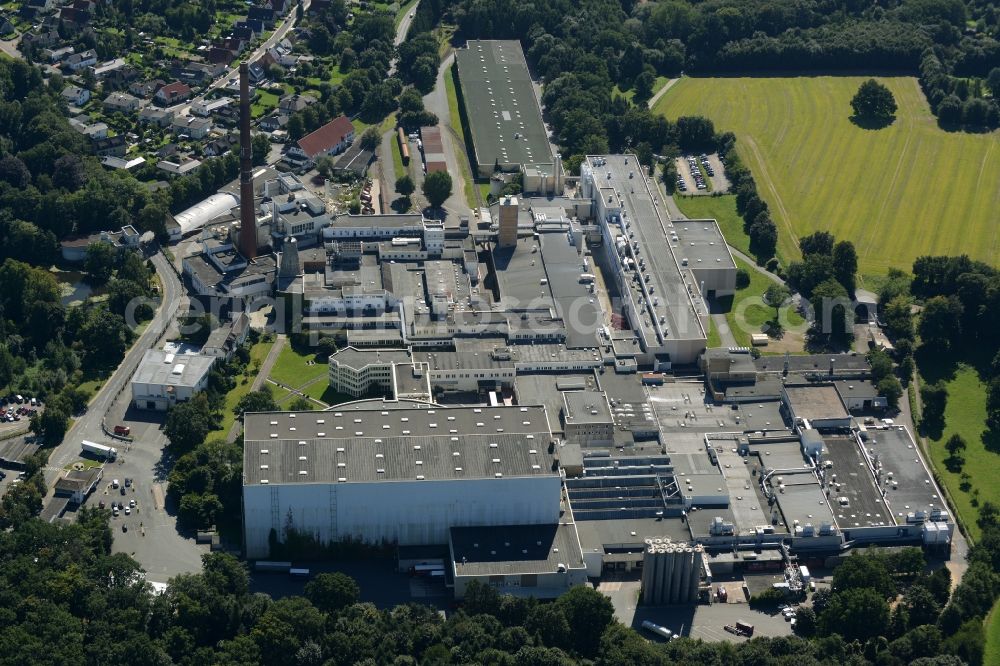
(654, 628)
(99, 450)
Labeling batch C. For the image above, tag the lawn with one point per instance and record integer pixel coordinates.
(456, 124)
(721, 208)
(965, 414)
(266, 101)
(630, 93)
(899, 192)
(293, 368)
(714, 339)
(243, 382)
(748, 314)
(992, 655)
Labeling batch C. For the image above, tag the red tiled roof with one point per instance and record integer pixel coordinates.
(326, 137)
(175, 88)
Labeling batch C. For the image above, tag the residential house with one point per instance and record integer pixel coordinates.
(119, 77)
(243, 32)
(274, 122)
(172, 93)
(155, 116)
(43, 39)
(256, 25)
(329, 139)
(294, 103)
(72, 15)
(75, 95)
(263, 14)
(108, 68)
(257, 71)
(280, 7)
(267, 60)
(225, 340)
(220, 55)
(96, 131)
(207, 107)
(283, 56)
(123, 102)
(146, 88)
(180, 167)
(122, 163)
(80, 61)
(41, 5)
(6, 27)
(110, 145)
(58, 55)
(167, 150)
(221, 146)
(196, 128)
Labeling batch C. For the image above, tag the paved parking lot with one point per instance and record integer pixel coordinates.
(701, 174)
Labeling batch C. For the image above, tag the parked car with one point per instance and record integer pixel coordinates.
(122, 430)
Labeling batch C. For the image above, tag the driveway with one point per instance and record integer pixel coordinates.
(88, 426)
(437, 102)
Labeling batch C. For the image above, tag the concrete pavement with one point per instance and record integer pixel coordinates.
(437, 103)
(659, 93)
(88, 426)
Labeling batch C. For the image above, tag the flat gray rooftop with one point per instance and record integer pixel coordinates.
(578, 308)
(622, 177)
(629, 533)
(522, 279)
(814, 363)
(544, 389)
(372, 445)
(865, 504)
(515, 549)
(586, 407)
(359, 358)
(804, 502)
(701, 242)
(816, 402)
(500, 105)
(160, 367)
(915, 489)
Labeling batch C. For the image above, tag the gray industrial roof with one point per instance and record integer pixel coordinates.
(359, 358)
(914, 489)
(814, 363)
(500, 104)
(515, 549)
(371, 444)
(160, 367)
(816, 401)
(865, 504)
(622, 176)
(574, 303)
(586, 407)
(701, 242)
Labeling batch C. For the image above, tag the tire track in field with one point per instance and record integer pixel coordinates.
(979, 179)
(877, 222)
(785, 218)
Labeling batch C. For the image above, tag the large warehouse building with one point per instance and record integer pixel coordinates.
(397, 472)
(501, 108)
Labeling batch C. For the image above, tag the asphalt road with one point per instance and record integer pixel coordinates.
(279, 33)
(88, 426)
(437, 103)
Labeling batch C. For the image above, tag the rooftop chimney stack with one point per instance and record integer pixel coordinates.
(248, 225)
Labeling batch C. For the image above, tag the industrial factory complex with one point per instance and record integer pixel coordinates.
(533, 399)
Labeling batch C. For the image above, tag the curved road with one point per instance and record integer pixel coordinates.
(88, 426)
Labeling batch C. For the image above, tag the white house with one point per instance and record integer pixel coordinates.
(164, 379)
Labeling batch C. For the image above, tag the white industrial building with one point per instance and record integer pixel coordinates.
(664, 270)
(388, 472)
(164, 379)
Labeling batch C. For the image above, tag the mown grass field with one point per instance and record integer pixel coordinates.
(992, 655)
(899, 192)
(965, 414)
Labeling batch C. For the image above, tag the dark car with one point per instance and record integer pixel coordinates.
(128, 482)
(124, 527)
(122, 489)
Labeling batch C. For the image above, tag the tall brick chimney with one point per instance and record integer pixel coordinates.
(248, 217)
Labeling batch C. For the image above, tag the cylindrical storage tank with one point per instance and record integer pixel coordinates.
(683, 585)
(697, 564)
(676, 575)
(661, 573)
(648, 574)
